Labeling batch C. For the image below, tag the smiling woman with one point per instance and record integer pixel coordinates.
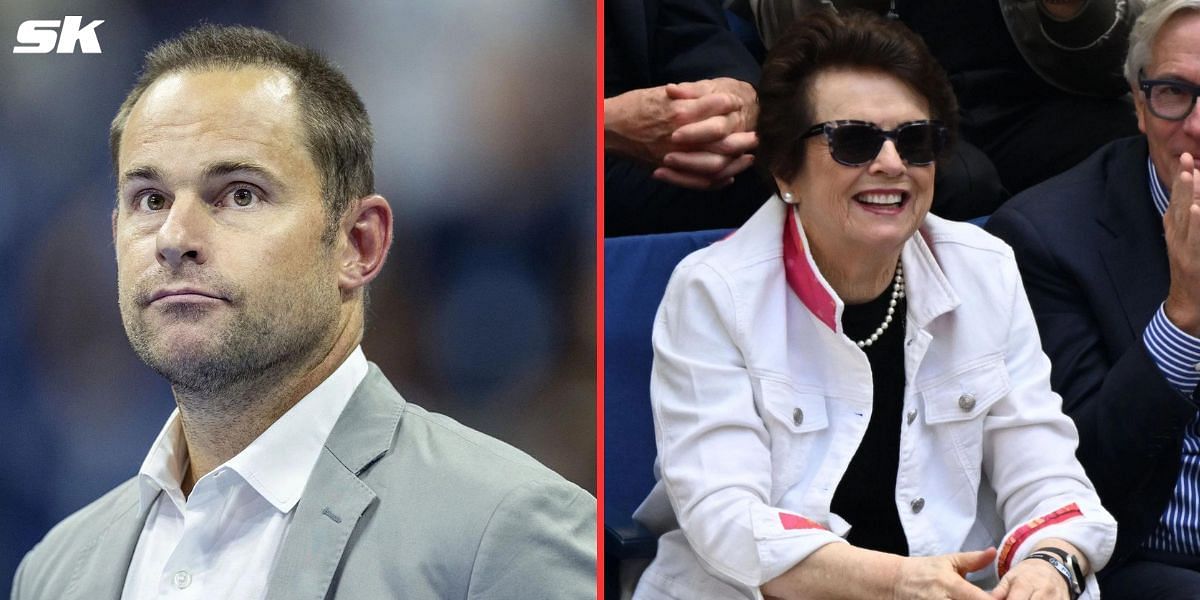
(849, 393)
(860, 215)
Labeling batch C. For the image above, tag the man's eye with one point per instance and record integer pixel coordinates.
(153, 201)
(1172, 91)
(243, 196)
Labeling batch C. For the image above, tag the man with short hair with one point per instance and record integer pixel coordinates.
(246, 231)
(1110, 256)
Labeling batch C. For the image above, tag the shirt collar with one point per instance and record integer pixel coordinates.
(278, 463)
(1157, 190)
(165, 464)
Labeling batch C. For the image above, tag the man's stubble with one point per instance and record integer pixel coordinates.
(269, 337)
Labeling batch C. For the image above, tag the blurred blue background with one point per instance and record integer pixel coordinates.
(483, 113)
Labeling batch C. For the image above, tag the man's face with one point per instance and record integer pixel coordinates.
(221, 270)
(1175, 54)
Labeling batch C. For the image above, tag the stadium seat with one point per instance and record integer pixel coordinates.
(636, 269)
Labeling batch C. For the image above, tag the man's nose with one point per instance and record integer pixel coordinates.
(183, 235)
(1191, 123)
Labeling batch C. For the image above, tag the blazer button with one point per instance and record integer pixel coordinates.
(917, 505)
(966, 401)
(797, 417)
(912, 416)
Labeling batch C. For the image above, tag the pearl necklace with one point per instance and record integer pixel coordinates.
(897, 293)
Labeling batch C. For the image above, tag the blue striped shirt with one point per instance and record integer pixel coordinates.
(1177, 355)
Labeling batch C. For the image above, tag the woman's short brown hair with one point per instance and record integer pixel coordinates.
(824, 40)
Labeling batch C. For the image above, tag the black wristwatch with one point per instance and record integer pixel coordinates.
(1066, 564)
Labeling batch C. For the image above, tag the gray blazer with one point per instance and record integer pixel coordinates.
(402, 503)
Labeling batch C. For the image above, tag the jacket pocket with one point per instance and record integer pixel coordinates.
(794, 420)
(956, 405)
(792, 410)
(966, 393)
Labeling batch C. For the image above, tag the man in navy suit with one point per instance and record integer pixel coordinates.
(1110, 256)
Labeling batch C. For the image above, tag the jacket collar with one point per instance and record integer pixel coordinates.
(929, 292)
(1127, 209)
(336, 497)
(1135, 257)
(334, 500)
(104, 560)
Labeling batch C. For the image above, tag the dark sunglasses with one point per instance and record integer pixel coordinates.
(856, 143)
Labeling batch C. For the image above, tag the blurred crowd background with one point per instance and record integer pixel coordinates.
(484, 123)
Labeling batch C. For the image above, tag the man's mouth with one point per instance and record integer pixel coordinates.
(182, 295)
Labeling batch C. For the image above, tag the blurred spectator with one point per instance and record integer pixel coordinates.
(679, 115)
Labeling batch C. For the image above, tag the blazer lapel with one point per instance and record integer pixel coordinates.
(336, 498)
(100, 574)
(1135, 258)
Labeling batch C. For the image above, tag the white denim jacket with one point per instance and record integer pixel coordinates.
(760, 402)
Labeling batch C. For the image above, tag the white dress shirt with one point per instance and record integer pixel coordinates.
(221, 541)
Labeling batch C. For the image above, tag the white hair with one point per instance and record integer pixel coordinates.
(1146, 29)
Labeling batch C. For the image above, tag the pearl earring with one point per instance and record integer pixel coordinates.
(788, 198)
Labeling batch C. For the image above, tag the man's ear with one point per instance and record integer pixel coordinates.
(366, 236)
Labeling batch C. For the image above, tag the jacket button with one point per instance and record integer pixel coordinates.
(966, 401)
(912, 416)
(797, 417)
(917, 505)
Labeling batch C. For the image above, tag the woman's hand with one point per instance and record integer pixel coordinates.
(1037, 579)
(844, 572)
(942, 577)
(1032, 580)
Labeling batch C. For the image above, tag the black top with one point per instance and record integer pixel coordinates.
(866, 495)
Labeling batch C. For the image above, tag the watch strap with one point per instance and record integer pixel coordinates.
(1074, 584)
(1067, 558)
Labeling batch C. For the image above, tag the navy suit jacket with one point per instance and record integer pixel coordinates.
(654, 42)
(1090, 247)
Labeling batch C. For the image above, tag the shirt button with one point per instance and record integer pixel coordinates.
(966, 401)
(917, 505)
(912, 416)
(182, 579)
(797, 417)
(1196, 367)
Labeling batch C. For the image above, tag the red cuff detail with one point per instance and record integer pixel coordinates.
(791, 521)
(1023, 532)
